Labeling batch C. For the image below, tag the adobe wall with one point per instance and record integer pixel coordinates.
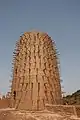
(77, 107)
(4, 103)
(59, 109)
(64, 109)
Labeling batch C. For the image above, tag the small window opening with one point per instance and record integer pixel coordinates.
(14, 95)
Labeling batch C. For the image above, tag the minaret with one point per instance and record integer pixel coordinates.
(36, 78)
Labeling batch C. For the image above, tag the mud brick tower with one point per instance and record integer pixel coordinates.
(36, 79)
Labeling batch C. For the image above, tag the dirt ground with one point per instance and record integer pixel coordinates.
(8, 114)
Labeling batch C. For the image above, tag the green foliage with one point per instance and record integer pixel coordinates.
(73, 99)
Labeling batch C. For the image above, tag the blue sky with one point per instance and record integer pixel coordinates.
(59, 18)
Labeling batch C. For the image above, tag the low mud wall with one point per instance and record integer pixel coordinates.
(59, 109)
(4, 103)
(64, 109)
(77, 107)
